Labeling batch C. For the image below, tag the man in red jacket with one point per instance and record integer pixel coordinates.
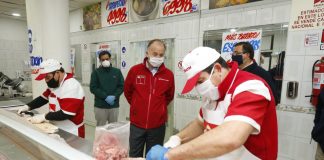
(149, 88)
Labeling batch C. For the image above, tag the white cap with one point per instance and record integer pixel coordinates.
(48, 66)
(195, 62)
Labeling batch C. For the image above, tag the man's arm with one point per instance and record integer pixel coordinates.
(95, 87)
(57, 116)
(216, 142)
(170, 91)
(128, 86)
(120, 85)
(37, 102)
(194, 129)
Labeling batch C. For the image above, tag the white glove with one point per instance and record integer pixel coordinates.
(23, 109)
(39, 118)
(173, 141)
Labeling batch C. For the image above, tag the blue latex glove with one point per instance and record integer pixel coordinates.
(157, 152)
(110, 100)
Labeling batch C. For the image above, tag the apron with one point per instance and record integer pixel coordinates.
(215, 117)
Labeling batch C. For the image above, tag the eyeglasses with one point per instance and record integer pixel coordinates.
(238, 53)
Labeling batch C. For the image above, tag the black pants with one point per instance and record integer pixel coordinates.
(139, 137)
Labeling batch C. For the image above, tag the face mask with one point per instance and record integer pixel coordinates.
(105, 63)
(52, 83)
(156, 61)
(207, 89)
(238, 59)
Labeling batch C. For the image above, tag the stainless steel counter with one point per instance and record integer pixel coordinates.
(29, 139)
(76, 142)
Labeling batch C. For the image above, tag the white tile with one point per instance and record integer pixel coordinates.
(220, 21)
(293, 69)
(287, 124)
(234, 20)
(304, 125)
(305, 90)
(303, 150)
(207, 23)
(283, 158)
(264, 16)
(178, 48)
(249, 18)
(285, 146)
(281, 14)
(195, 28)
(295, 43)
(186, 47)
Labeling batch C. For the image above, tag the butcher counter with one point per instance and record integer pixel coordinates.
(20, 139)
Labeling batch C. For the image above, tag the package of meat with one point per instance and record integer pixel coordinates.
(111, 141)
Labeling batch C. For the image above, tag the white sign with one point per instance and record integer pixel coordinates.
(101, 47)
(311, 40)
(114, 12)
(230, 39)
(177, 7)
(72, 60)
(307, 14)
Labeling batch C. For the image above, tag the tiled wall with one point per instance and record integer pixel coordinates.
(13, 47)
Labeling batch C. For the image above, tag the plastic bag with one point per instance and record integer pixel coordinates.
(111, 141)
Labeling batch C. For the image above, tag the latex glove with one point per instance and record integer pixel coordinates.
(157, 152)
(173, 141)
(23, 109)
(39, 118)
(110, 100)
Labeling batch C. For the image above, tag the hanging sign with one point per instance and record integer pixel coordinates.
(230, 39)
(307, 14)
(178, 7)
(114, 12)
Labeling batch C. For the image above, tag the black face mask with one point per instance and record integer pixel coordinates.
(238, 59)
(52, 83)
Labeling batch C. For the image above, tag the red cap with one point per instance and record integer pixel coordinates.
(191, 83)
(40, 77)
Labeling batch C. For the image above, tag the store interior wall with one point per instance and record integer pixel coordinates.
(187, 32)
(13, 41)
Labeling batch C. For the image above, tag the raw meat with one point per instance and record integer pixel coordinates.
(107, 147)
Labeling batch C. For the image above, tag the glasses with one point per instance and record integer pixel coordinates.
(237, 53)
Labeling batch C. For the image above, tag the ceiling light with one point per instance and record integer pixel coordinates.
(285, 26)
(15, 14)
(233, 30)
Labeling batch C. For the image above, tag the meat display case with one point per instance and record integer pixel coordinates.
(19, 139)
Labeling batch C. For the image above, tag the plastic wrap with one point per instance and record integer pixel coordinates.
(111, 141)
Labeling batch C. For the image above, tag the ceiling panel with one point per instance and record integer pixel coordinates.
(7, 7)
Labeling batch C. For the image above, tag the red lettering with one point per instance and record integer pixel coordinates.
(250, 35)
(117, 16)
(231, 37)
(177, 6)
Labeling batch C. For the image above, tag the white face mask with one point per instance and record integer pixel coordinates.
(105, 63)
(156, 61)
(207, 89)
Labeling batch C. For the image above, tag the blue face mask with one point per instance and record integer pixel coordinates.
(238, 59)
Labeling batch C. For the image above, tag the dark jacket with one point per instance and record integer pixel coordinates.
(105, 82)
(259, 71)
(318, 129)
(149, 95)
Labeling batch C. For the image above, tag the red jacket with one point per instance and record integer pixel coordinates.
(149, 95)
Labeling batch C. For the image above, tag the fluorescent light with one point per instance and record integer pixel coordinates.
(285, 26)
(233, 30)
(15, 14)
